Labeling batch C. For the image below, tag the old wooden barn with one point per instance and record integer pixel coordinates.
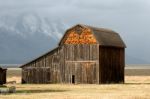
(85, 54)
(2, 75)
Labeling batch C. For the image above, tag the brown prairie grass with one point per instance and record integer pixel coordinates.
(135, 87)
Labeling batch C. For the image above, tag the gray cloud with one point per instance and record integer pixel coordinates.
(131, 18)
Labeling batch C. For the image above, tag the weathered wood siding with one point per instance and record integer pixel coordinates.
(88, 63)
(82, 62)
(47, 69)
(111, 65)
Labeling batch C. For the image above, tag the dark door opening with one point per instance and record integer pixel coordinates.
(73, 79)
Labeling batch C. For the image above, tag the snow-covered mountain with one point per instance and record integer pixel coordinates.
(26, 36)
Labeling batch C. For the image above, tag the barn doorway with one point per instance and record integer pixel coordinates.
(73, 79)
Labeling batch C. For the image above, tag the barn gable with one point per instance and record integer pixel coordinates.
(79, 35)
(83, 34)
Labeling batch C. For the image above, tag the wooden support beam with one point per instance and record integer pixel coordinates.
(87, 61)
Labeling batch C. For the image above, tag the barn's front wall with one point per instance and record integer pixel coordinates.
(82, 63)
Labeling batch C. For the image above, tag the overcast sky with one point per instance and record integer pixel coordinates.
(130, 18)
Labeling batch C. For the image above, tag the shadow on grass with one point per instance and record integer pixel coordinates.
(39, 91)
(137, 83)
(3, 86)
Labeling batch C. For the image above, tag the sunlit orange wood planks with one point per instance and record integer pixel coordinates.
(85, 37)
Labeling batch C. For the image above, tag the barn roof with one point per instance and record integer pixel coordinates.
(49, 52)
(105, 37)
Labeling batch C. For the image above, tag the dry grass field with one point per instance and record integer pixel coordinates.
(135, 87)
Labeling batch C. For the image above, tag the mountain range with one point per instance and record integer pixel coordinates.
(26, 36)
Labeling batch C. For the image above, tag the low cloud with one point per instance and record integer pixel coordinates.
(131, 18)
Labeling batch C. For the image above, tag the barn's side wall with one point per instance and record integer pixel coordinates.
(47, 69)
(112, 63)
